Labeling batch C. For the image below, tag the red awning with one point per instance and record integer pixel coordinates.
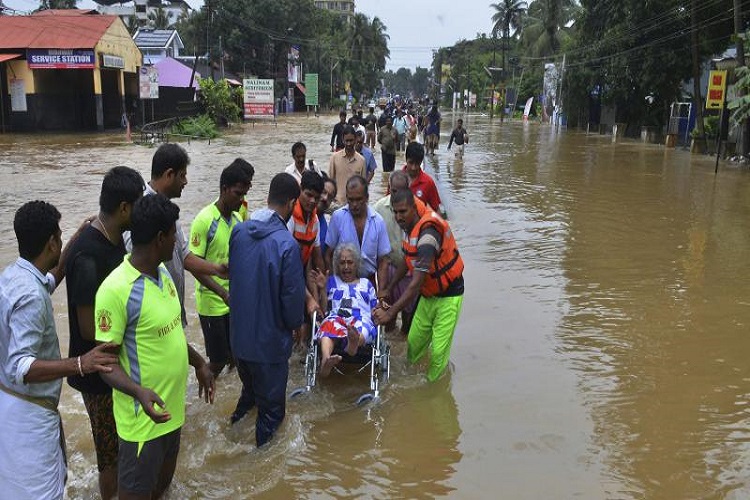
(302, 89)
(8, 57)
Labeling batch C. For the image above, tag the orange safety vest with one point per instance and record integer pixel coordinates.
(448, 264)
(421, 207)
(304, 232)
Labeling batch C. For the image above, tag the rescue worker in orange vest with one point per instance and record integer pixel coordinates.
(304, 223)
(305, 228)
(431, 254)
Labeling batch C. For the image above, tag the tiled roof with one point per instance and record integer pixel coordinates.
(70, 30)
(65, 12)
(153, 38)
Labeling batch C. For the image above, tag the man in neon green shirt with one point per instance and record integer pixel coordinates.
(209, 238)
(137, 307)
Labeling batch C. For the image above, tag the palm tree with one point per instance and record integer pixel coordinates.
(508, 15)
(380, 42)
(159, 19)
(132, 25)
(546, 28)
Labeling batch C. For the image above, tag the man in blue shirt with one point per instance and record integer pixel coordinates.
(370, 163)
(267, 303)
(359, 224)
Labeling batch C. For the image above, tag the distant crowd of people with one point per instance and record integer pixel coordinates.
(317, 247)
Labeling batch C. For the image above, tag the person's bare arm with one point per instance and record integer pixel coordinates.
(100, 359)
(197, 265)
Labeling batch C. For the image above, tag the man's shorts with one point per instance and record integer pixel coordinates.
(216, 337)
(139, 471)
(103, 428)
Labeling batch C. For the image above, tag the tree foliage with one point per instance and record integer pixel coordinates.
(219, 100)
(256, 37)
(57, 4)
(637, 55)
(158, 19)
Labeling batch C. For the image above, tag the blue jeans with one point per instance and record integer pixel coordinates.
(264, 386)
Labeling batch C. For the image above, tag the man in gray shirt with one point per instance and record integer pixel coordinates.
(31, 369)
(169, 178)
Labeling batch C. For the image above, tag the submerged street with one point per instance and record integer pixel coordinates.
(601, 352)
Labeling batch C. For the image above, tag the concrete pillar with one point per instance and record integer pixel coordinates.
(98, 99)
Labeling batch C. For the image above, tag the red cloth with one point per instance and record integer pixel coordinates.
(425, 189)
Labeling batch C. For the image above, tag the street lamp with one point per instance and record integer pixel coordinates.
(332, 68)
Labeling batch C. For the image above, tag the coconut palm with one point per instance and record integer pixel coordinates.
(508, 16)
(159, 19)
(546, 26)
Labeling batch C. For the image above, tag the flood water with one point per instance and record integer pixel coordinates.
(602, 351)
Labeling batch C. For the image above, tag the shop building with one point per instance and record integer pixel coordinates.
(66, 70)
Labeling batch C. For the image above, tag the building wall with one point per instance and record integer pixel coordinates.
(117, 41)
(78, 99)
(18, 69)
(342, 6)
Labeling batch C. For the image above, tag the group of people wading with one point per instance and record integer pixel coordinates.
(317, 246)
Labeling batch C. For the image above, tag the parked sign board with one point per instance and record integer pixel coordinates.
(258, 98)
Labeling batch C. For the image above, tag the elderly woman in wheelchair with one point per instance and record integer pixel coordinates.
(350, 301)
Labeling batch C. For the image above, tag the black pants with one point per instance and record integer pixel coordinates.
(264, 386)
(389, 162)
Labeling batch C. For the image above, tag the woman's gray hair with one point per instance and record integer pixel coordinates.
(350, 247)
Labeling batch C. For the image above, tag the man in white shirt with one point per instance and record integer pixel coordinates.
(300, 164)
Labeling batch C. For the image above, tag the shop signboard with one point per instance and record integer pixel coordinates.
(717, 88)
(258, 98)
(110, 61)
(60, 59)
(149, 82)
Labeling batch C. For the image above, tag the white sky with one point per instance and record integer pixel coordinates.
(415, 27)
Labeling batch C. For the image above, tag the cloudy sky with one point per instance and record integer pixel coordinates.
(415, 27)
(418, 27)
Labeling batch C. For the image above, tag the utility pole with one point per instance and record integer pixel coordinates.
(330, 103)
(492, 78)
(743, 138)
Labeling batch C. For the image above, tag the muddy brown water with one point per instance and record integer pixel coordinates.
(602, 351)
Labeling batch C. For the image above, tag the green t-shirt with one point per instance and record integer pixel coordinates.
(209, 238)
(144, 317)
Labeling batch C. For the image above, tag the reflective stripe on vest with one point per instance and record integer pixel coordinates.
(304, 233)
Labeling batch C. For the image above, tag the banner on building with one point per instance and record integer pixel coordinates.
(717, 90)
(292, 68)
(311, 86)
(60, 59)
(258, 98)
(148, 82)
